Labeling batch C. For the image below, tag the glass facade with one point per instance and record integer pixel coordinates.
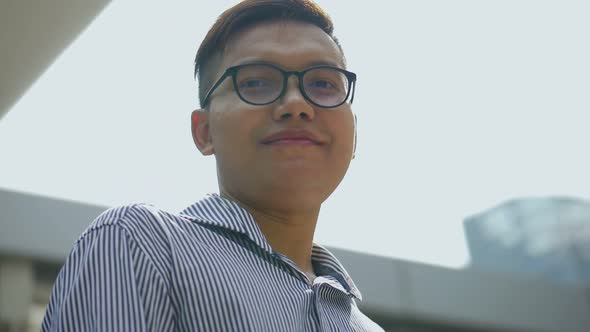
(545, 237)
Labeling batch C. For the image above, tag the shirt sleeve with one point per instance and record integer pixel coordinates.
(108, 283)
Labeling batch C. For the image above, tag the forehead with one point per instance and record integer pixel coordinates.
(292, 45)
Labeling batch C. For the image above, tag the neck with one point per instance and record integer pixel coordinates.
(290, 233)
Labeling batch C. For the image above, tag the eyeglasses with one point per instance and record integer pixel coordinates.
(263, 84)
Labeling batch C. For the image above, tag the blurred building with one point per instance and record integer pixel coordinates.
(534, 237)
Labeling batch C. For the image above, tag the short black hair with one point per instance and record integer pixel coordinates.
(245, 14)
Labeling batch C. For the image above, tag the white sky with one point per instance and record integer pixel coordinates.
(461, 105)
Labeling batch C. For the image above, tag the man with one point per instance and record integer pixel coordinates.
(275, 112)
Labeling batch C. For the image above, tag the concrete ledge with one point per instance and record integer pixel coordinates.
(32, 35)
(401, 291)
(40, 227)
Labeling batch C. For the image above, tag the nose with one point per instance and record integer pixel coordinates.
(293, 104)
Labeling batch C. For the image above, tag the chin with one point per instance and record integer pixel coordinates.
(291, 204)
(299, 195)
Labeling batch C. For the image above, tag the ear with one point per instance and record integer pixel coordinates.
(354, 140)
(200, 131)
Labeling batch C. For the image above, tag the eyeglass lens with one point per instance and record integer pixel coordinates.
(261, 84)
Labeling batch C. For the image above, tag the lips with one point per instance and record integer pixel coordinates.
(292, 137)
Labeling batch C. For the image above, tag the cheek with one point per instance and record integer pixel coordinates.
(227, 136)
(233, 134)
(342, 129)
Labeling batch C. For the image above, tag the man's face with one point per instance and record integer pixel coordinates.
(284, 175)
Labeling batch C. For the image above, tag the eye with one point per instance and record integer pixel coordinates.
(321, 84)
(253, 83)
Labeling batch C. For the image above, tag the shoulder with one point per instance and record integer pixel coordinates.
(119, 261)
(141, 232)
(140, 222)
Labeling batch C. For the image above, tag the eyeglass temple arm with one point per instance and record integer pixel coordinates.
(353, 91)
(218, 83)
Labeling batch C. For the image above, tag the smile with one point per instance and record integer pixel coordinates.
(292, 141)
(292, 137)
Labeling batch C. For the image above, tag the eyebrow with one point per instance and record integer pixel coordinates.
(308, 65)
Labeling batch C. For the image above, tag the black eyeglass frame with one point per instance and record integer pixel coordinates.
(232, 71)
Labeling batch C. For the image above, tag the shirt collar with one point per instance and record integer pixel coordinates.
(221, 212)
(326, 261)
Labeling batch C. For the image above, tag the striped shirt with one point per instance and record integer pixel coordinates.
(209, 268)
